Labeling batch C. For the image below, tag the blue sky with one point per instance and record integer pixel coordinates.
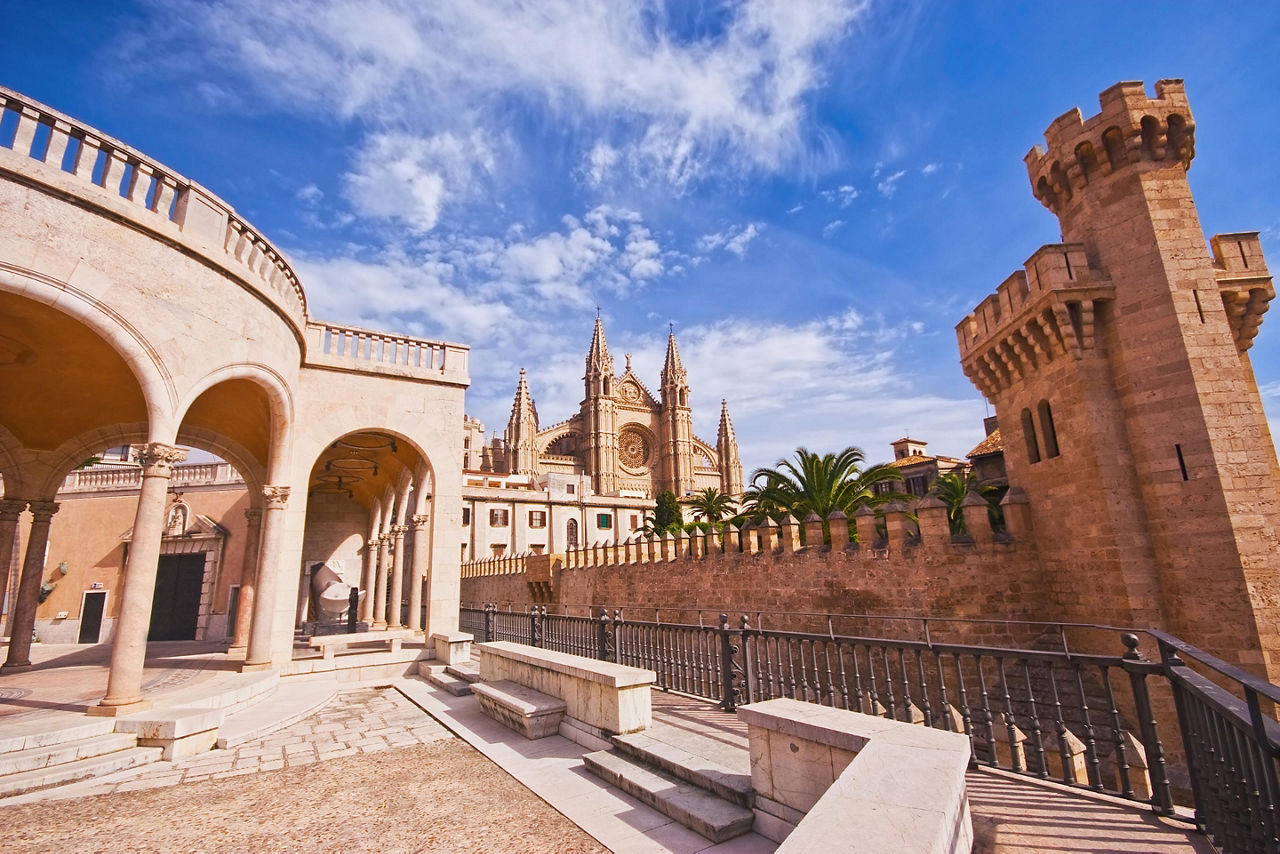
(813, 193)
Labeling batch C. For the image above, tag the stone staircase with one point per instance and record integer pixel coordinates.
(457, 679)
(54, 757)
(681, 783)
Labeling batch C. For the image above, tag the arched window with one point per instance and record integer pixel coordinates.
(1029, 433)
(571, 534)
(1047, 431)
(1113, 142)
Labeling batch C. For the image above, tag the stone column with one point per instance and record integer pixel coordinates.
(248, 577)
(129, 646)
(10, 513)
(259, 655)
(397, 576)
(380, 583)
(370, 579)
(24, 610)
(418, 572)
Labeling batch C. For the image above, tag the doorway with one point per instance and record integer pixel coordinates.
(175, 610)
(91, 616)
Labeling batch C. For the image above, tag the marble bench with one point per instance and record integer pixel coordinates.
(328, 644)
(530, 713)
(602, 699)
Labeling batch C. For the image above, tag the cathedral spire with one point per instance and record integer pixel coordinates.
(673, 372)
(730, 463)
(522, 431)
(598, 358)
(726, 425)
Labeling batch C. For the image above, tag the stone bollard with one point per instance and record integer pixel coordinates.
(813, 536)
(790, 529)
(838, 522)
(768, 536)
(864, 519)
(931, 515)
(1017, 513)
(897, 525)
(977, 521)
(1009, 753)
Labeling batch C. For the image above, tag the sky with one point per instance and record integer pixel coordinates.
(811, 193)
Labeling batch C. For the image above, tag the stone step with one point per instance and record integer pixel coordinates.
(690, 805)
(35, 758)
(81, 769)
(455, 686)
(290, 703)
(691, 768)
(73, 729)
(469, 672)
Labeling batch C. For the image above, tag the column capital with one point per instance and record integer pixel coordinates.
(399, 530)
(158, 459)
(277, 496)
(42, 511)
(11, 509)
(420, 520)
(253, 515)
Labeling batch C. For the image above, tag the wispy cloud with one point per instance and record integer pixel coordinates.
(735, 238)
(832, 227)
(889, 184)
(842, 195)
(930, 168)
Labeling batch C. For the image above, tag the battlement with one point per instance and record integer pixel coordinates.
(1041, 312)
(1244, 283)
(1131, 129)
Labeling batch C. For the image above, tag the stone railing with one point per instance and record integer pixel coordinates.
(129, 478)
(73, 158)
(350, 348)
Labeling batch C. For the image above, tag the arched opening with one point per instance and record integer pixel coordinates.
(1113, 142)
(367, 534)
(571, 534)
(1029, 433)
(1047, 430)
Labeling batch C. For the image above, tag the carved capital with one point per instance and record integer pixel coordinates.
(277, 496)
(11, 509)
(399, 530)
(42, 511)
(421, 520)
(253, 515)
(158, 459)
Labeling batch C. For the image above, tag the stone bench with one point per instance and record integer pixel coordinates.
(328, 644)
(823, 774)
(602, 699)
(530, 713)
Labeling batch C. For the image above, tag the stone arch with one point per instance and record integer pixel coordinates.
(148, 369)
(279, 398)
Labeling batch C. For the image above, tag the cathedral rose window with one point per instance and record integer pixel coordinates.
(633, 448)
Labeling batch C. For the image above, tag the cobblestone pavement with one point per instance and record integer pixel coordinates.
(366, 720)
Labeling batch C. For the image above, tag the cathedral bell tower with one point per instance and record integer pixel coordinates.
(676, 424)
(522, 432)
(599, 416)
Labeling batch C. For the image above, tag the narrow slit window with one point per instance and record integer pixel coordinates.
(1047, 431)
(1199, 307)
(1029, 433)
(1182, 463)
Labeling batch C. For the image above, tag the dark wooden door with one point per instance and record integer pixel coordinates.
(176, 606)
(91, 616)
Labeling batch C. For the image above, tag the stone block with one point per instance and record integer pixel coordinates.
(530, 713)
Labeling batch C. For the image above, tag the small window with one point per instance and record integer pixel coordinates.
(498, 549)
(537, 518)
(571, 533)
(537, 548)
(1047, 431)
(568, 488)
(464, 552)
(466, 515)
(635, 521)
(916, 485)
(1029, 433)
(604, 521)
(498, 518)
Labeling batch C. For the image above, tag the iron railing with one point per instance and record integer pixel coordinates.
(1086, 720)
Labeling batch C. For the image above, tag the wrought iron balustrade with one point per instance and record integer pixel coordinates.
(1085, 720)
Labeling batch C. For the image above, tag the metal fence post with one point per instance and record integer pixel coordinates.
(535, 625)
(727, 699)
(602, 635)
(1161, 795)
(490, 612)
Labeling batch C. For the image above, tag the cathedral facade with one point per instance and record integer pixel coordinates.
(624, 440)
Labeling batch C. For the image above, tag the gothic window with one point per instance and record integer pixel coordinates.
(498, 518)
(571, 533)
(1029, 433)
(537, 518)
(1047, 431)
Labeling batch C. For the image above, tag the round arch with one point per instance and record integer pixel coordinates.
(279, 399)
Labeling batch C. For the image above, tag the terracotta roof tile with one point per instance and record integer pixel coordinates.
(993, 444)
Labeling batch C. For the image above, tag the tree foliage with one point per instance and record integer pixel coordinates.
(953, 487)
(666, 517)
(712, 505)
(819, 483)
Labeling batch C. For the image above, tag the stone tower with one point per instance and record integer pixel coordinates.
(522, 431)
(677, 424)
(1118, 364)
(599, 415)
(727, 450)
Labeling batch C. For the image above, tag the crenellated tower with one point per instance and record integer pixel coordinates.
(727, 451)
(1118, 365)
(599, 415)
(522, 431)
(677, 424)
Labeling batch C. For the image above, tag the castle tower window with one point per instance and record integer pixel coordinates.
(1113, 142)
(571, 533)
(1029, 432)
(1047, 430)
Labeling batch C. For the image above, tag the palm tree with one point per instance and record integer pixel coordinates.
(712, 505)
(819, 484)
(953, 487)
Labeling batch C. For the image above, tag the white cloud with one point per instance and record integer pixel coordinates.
(735, 238)
(795, 209)
(680, 106)
(889, 185)
(600, 162)
(930, 168)
(407, 178)
(310, 195)
(832, 227)
(842, 195)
